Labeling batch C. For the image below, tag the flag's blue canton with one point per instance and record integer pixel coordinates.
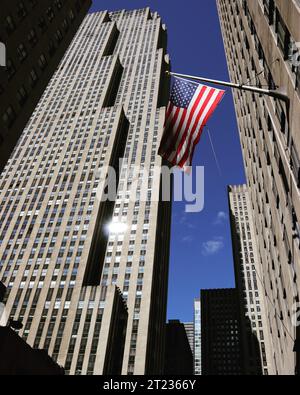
(182, 93)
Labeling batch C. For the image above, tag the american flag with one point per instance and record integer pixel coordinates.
(191, 105)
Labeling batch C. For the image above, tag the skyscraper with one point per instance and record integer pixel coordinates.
(34, 36)
(221, 345)
(255, 332)
(262, 46)
(197, 337)
(62, 243)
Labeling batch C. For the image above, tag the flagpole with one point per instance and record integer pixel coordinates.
(278, 94)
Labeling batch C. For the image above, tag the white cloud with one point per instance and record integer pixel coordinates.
(212, 247)
(185, 220)
(187, 239)
(221, 218)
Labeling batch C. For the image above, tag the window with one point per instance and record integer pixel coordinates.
(51, 48)
(22, 95)
(50, 13)
(33, 77)
(22, 53)
(71, 15)
(58, 4)
(9, 116)
(42, 62)
(58, 36)
(32, 37)
(284, 37)
(42, 24)
(280, 112)
(21, 10)
(10, 24)
(10, 68)
(269, 8)
(65, 25)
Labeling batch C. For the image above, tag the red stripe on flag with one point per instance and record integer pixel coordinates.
(196, 124)
(209, 114)
(184, 126)
(190, 118)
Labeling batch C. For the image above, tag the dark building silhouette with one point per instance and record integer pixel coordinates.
(36, 35)
(18, 358)
(179, 356)
(115, 326)
(221, 333)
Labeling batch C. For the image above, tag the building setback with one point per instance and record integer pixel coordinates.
(249, 283)
(221, 344)
(62, 244)
(35, 35)
(262, 46)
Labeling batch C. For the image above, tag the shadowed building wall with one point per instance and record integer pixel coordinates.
(221, 342)
(179, 356)
(36, 35)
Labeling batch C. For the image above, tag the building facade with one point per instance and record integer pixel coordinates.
(193, 331)
(255, 331)
(262, 46)
(63, 243)
(197, 336)
(34, 36)
(221, 342)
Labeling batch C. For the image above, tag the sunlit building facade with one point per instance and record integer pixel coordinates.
(62, 244)
(248, 277)
(262, 41)
(197, 336)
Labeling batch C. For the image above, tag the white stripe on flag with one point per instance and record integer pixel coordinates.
(194, 119)
(200, 124)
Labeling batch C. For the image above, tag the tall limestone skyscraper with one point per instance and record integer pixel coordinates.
(64, 249)
(255, 335)
(262, 43)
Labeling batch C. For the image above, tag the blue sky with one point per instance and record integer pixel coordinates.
(201, 254)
